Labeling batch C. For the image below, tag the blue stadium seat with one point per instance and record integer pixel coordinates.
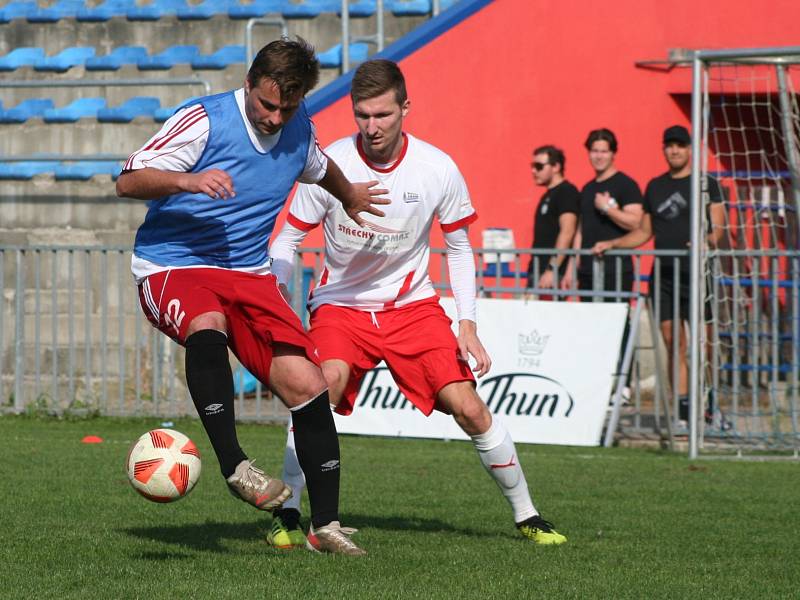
(105, 11)
(154, 11)
(17, 9)
(445, 4)
(76, 110)
(123, 55)
(360, 9)
(63, 9)
(205, 10)
(130, 109)
(27, 109)
(308, 9)
(410, 8)
(86, 169)
(333, 57)
(20, 57)
(165, 112)
(490, 270)
(227, 55)
(174, 55)
(257, 8)
(64, 60)
(25, 170)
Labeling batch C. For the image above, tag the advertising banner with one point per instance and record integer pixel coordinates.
(550, 382)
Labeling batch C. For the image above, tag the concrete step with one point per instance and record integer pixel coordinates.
(111, 358)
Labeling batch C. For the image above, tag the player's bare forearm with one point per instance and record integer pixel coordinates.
(355, 197)
(150, 183)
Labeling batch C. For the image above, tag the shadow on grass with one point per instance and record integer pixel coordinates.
(395, 523)
(207, 537)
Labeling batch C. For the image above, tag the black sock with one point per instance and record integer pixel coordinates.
(317, 448)
(210, 381)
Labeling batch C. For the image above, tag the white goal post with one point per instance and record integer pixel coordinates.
(744, 313)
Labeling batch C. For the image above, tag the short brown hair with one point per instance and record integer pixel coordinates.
(378, 76)
(291, 64)
(602, 135)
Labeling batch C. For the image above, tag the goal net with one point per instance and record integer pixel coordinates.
(746, 394)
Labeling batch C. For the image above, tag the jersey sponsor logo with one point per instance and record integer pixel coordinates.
(411, 197)
(392, 235)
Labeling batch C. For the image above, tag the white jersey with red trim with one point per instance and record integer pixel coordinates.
(385, 264)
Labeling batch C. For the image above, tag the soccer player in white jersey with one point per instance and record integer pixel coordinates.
(374, 297)
(218, 174)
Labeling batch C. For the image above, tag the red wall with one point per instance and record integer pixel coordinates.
(522, 73)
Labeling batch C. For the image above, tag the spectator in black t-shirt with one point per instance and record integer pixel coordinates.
(667, 218)
(611, 204)
(556, 217)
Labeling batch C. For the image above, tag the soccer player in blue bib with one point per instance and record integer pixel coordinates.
(217, 175)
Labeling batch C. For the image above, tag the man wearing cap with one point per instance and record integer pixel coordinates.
(667, 218)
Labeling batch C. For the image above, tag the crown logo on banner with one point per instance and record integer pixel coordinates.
(532, 344)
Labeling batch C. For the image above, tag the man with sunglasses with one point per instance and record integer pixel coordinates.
(556, 217)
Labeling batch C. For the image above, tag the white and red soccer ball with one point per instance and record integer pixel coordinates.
(163, 465)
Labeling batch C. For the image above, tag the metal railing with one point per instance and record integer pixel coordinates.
(73, 337)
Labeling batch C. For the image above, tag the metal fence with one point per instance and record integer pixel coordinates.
(73, 339)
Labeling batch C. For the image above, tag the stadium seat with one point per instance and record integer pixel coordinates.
(20, 57)
(124, 55)
(410, 8)
(360, 9)
(25, 170)
(17, 10)
(490, 270)
(174, 55)
(254, 10)
(86, 169)
(308, 9)
(63, 9)
(155, 10)
(165, 112)
(64, 60)
(227, 55)
(105, 11)
(332, 58)
(130, 109)
(27, 109)
(205, 10)
(76, 110)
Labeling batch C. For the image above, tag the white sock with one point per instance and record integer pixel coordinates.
(499, 457)
(292, 473)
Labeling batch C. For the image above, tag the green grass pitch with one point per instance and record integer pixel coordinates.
(641, 524)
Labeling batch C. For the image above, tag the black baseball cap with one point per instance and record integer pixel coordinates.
(677, 133)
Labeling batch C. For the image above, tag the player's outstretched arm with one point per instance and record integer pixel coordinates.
(355, 197)
(150, 183)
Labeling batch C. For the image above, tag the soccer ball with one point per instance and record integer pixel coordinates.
(163, 465)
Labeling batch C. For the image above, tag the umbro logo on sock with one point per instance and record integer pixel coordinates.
(213, 409)
(329, 466)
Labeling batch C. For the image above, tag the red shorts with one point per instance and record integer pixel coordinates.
(416, 342)
(256, 313)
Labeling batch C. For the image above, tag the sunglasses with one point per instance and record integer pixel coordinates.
(539, 166)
